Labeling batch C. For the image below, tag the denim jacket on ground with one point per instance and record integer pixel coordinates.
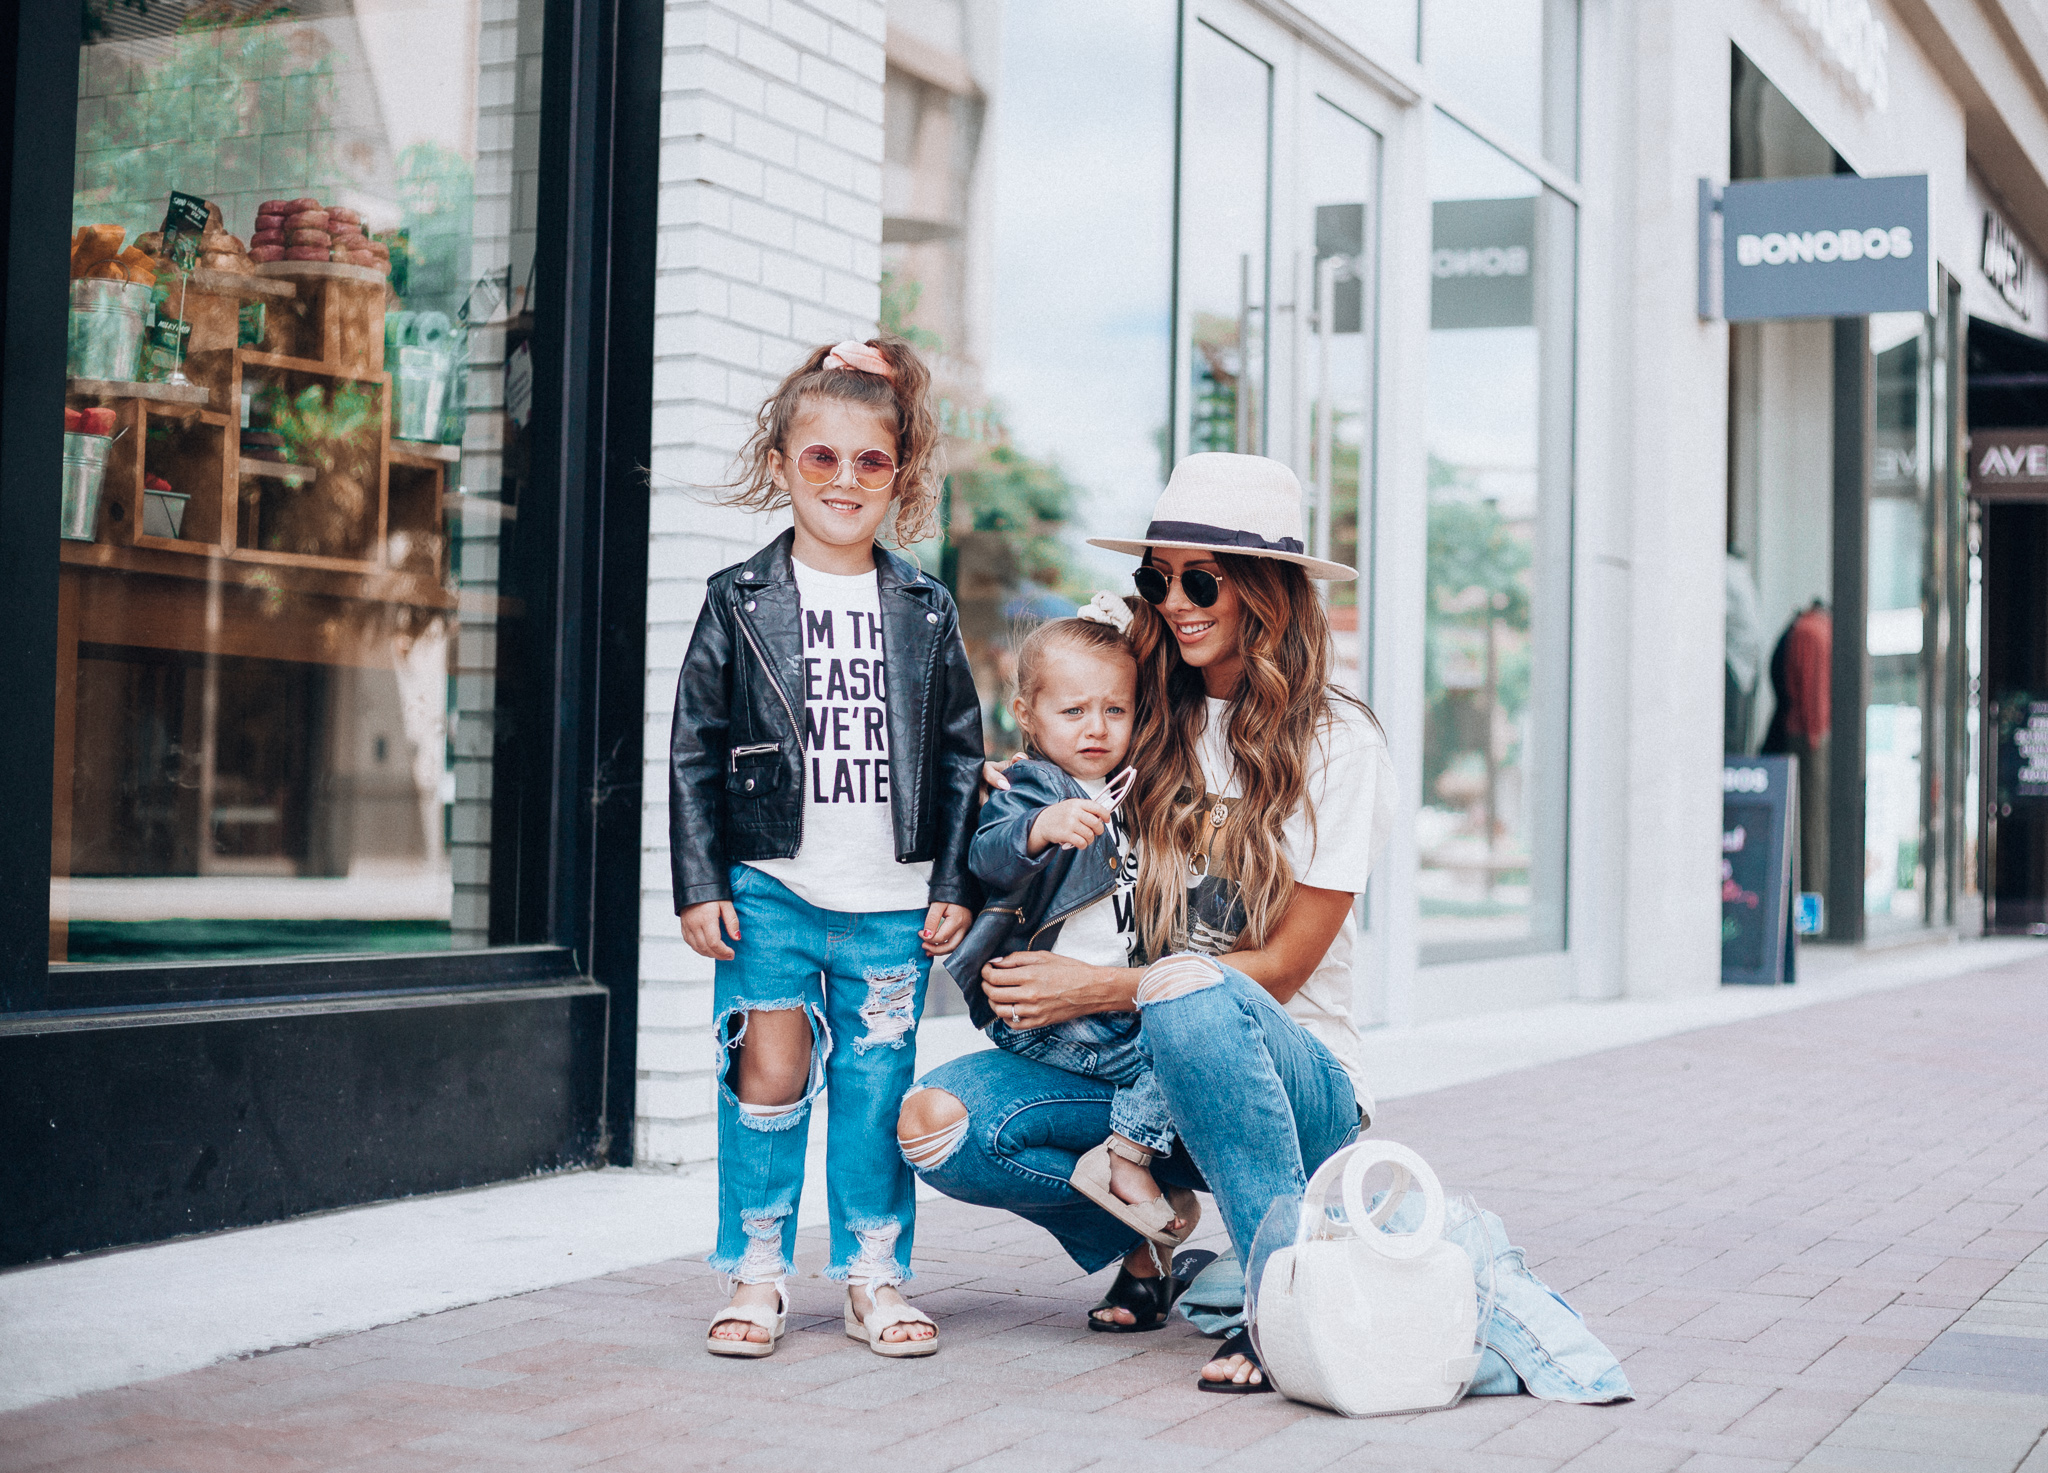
(1035, 893)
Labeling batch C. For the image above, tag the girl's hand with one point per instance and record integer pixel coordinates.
(1029, 989)
(701, 923)
(1073, 824)
(944, 928)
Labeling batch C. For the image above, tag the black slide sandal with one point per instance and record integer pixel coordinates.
(1239, 1343)
(1150, 1300)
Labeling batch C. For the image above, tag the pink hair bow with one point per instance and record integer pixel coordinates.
(859, 358)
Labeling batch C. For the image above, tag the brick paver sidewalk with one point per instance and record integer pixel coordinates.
(1767, 1221)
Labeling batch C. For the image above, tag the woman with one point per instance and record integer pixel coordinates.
(1263, 795)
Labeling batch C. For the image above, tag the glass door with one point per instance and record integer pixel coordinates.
(1275, 302)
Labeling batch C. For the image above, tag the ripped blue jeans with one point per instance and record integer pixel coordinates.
(861, 980)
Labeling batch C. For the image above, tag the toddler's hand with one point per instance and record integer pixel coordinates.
(1074, 824)
(701, 923)
(944, 928)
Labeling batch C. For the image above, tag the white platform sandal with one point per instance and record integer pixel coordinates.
(775, 1322)
(884, 1316)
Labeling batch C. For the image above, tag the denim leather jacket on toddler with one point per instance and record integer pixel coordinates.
(1035, 893)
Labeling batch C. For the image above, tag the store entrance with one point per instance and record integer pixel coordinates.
(2008, 416)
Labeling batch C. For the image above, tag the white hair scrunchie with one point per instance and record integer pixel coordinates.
(1106, 608)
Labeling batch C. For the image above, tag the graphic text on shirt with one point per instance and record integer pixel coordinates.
(844, 709)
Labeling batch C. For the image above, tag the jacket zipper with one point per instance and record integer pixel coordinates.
(768, 670)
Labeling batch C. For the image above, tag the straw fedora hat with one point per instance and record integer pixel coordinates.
(1246, 505)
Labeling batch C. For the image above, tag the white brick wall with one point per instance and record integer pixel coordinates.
(771, 227)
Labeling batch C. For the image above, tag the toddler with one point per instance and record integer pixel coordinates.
(1055, 849)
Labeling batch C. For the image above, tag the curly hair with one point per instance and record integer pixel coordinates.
(1279, 711)
(905, 400)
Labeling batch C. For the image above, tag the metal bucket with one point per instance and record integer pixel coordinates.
(106, 329)
(85, 471)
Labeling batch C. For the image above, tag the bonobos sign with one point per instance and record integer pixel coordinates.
(1833, 246)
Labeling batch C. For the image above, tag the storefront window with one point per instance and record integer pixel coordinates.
(1512, 64)
(1491, 825)
(1342, 163)
(1894, 863)
(1032, 257)
(300, 385)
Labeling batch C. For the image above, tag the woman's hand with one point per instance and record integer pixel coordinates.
(1074, 823)
(944, 927)
(1030, 989)
(701, 923)
(992, 778)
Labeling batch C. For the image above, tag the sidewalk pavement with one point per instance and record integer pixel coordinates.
(1786, 1226)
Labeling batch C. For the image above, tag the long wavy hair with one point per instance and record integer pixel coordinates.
(904, 401)
(1275, 717)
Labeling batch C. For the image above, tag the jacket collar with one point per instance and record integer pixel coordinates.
(773, 564)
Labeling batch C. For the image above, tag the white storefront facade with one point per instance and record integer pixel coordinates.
(1442, 258)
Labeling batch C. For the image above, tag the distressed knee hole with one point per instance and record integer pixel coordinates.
(931, 1126)
(890, 1010)
(1176, 976)
(875, 1265)
(776, 1079)
(763, 1262)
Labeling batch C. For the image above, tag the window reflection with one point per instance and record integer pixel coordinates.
(1511, 63)
(1894, 868)
(1490, 826)
(1029, 248)
(1342, 165)
(1226, 159)
(298, 397)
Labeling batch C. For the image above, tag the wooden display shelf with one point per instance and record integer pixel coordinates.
(285, 572)
(286, 364)
(278, 470)
(246, 286)
(107, 388)
(321, 271)
(425, 452)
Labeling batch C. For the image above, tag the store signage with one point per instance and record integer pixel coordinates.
(1340, 233)
(2007, 265)
(2009, 463)
(1851, 40)
(1482, 263)
(1832, 246)
(1759, 798)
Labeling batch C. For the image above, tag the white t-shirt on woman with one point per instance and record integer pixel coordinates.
(1351, 793)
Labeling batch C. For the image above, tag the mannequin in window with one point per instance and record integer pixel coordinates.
(1802, 683)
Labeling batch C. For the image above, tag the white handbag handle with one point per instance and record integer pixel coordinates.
(1408, 1168)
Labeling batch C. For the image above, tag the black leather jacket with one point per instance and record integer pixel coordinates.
(736, 756)
(1032, 895)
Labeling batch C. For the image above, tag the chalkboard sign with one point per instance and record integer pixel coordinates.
(2022, 748)
(1759, 804)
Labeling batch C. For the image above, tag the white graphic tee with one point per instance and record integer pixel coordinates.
(1105, 934)
(847, 861)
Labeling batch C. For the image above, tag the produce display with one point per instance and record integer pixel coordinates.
(89, 421)
(96, 254)
(306, 230)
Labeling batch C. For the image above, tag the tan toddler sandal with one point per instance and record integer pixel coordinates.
(1153, 1218)
(774, 1321)
(882, 1317)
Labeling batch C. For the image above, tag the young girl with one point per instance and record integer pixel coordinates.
(826, 751)
(1055, 850)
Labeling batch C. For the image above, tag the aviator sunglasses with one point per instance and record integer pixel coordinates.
(1198, 584)
(873, 470)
